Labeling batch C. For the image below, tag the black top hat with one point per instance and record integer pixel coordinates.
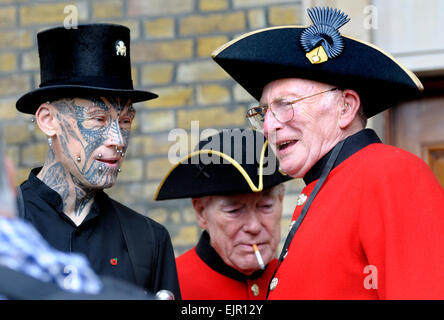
(92, 59)
(234, 161)
(318, 53)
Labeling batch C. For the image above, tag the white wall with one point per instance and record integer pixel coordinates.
(413, 32)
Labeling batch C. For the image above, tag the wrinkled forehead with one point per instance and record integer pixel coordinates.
(296, 87)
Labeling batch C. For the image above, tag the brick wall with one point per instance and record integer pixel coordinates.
(171, 45)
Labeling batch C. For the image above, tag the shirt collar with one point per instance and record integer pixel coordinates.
(208, 255)
(352, 144)
(54, 199)
(46, 193)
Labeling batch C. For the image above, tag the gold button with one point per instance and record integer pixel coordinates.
(255, 289)
(301, 199)
(274, 283)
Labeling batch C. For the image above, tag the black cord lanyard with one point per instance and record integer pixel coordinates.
(334, 155)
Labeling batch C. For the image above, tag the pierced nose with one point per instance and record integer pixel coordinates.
(122, 154)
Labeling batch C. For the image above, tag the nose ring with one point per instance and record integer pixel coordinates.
(122, 154)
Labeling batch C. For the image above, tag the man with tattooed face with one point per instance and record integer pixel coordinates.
(84, 107)
(93, 135)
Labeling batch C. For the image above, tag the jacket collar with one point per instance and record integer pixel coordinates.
(352, 144)
(53, 198)
(208, 255)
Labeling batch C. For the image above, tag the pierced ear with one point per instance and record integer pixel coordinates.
(45, 118)
(199, 207)
(348, 111)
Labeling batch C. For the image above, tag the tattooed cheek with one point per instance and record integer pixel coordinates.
(92, 136)
(95, 141)
(125, 136)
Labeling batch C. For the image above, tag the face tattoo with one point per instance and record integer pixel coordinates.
(94, 137)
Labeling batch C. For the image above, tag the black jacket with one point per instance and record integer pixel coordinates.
(142, 247)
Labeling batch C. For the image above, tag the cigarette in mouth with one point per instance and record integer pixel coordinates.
(258, 257)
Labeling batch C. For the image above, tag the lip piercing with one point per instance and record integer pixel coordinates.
(119, 170)
(100, 168)
(100, 155)
(79, 159)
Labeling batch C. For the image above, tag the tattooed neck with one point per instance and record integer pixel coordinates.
(77, 199)
(84, 196)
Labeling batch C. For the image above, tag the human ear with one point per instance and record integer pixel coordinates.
(349, 110)
(199, 208)
(46, 119)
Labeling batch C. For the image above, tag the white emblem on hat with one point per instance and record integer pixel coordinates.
(120, 48)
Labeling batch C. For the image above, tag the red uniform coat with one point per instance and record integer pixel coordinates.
(375, 230)
(212, 279)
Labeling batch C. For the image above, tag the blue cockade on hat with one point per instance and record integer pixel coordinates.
(322, 40)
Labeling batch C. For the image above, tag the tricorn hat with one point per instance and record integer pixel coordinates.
(92, 59)
(234, 161)
(320, 53)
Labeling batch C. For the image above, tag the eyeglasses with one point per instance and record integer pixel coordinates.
(281, 109)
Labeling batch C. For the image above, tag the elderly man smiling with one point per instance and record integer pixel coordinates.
(237, 194)
(369, 223)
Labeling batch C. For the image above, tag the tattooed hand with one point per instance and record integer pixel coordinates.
(92, 135)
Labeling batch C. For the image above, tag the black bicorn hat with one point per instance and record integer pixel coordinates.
(89, 60)
(234, 161)
(320, 53)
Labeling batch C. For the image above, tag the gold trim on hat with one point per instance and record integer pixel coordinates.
(410, 73)
(236, 164)
(412, 76)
